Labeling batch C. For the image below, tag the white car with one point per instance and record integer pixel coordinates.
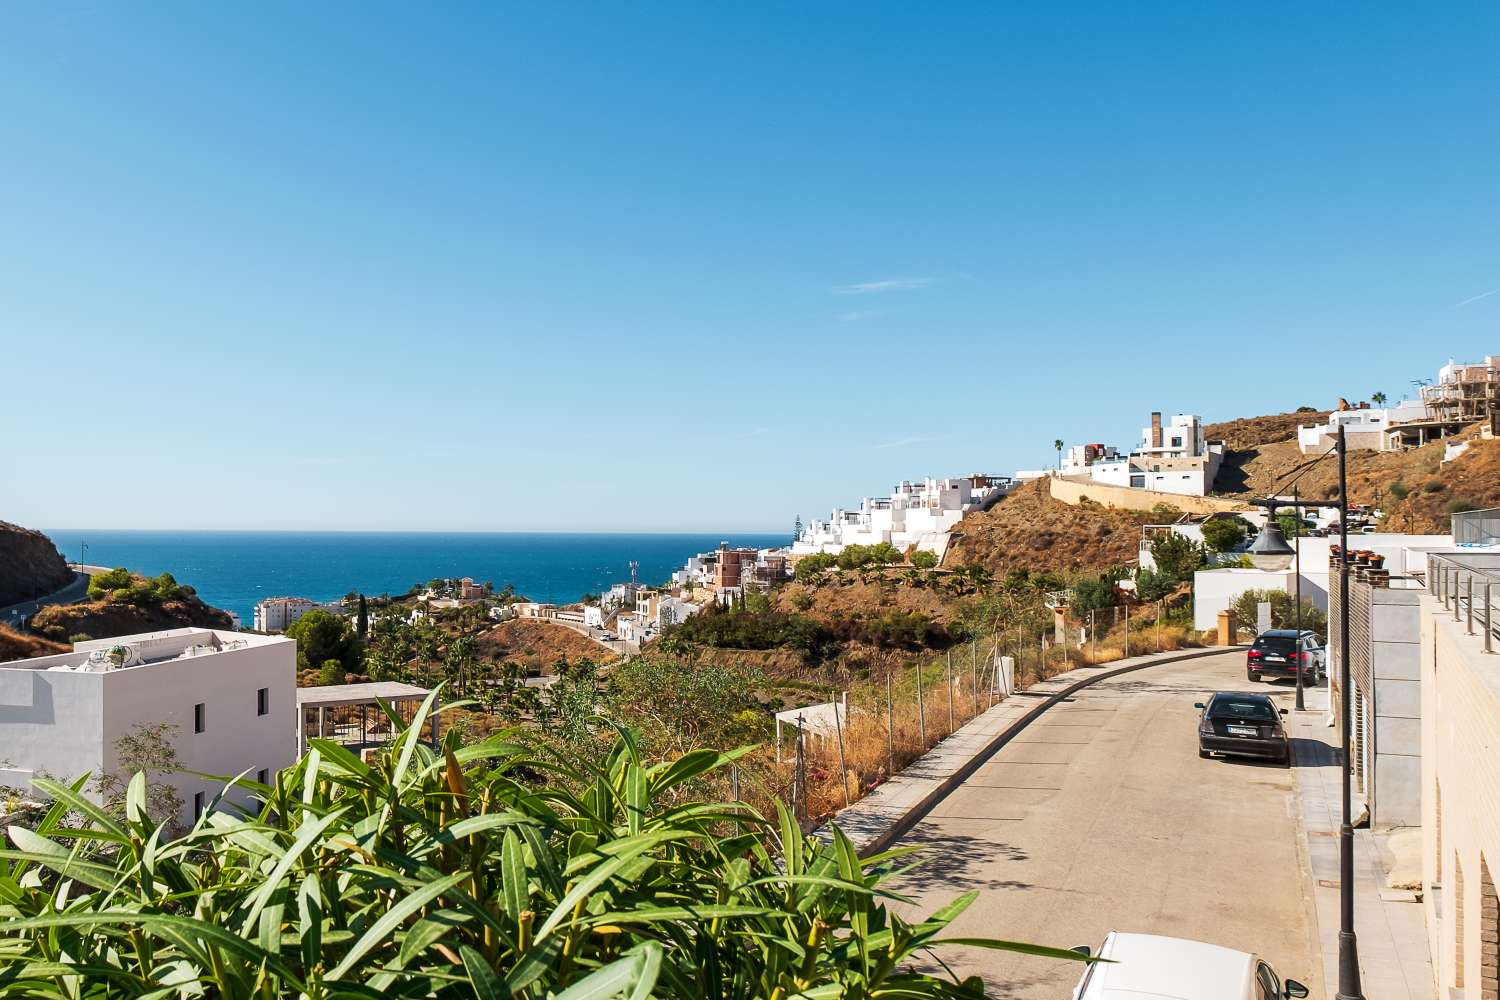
(1153, 967)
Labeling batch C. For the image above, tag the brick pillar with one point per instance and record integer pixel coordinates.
(1489, 935)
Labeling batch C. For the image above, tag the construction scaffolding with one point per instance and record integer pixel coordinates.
(1464, 393)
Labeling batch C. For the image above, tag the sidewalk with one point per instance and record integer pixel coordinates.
(1392, 934)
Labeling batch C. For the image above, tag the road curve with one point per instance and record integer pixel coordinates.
(1101, 816)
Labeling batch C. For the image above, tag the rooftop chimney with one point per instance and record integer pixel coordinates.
(1156, 429)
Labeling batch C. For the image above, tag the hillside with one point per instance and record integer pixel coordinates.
(1470, 482)
(128, 611)
(30, 565)
(1030, 530)
(1249, 432)
(537, 643)
(20, 646)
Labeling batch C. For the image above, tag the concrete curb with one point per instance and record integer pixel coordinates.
(875, 842)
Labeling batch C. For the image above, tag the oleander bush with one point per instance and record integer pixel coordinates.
(482, 871)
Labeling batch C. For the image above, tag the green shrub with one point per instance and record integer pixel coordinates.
(924, 559)
(1176, 555)
(1223, 534)
(1283, 611)
(77, 637)
(1433, 486)
(1400, 490)
(1154, 585)
(445, 874)
(102, 584)
(1459, 506)
(332, 672)
(1093, 594)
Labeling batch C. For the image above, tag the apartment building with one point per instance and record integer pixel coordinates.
(916, 514)
(229, 699)
(1173, 457)
(274, 614)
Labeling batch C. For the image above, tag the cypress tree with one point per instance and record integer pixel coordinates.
(362, 623)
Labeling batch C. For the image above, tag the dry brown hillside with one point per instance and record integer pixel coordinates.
(537, 643)
(107, 618)
(30, 565)
(1248, 432)
(1470, 481)
(1030, 530)
(19, 646)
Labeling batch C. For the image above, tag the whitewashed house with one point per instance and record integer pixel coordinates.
(916, 514)
(229, 698)
(1364, 427)
(1175, 457)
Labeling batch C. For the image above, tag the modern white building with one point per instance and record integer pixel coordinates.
(1365, 427)
(1175, 457)
(229, 699)
(274, 614)
(916, 514)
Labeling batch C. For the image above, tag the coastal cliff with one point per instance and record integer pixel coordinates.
(30, 565)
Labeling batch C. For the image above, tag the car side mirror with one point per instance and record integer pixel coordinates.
(1197, 704)
(1292, 988)
(1086, 952)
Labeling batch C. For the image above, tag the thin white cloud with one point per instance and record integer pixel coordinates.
(905, 442)
(854, 316)
(1476, 298)
(888, 285)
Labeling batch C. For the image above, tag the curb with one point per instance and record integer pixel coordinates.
(915, 814)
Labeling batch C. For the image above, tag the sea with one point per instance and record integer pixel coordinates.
(235, 569)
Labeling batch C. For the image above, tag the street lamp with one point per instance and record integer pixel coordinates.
(1271, 544)
(1270, 550)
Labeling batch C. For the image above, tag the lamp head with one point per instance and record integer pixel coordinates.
(1270, 550)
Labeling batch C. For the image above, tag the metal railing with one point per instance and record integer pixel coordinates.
(1477, 527)
(1468, 585)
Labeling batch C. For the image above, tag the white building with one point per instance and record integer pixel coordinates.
(916, 514)
(1364, 427)
(1175, 457)
(229, 698)
(274, 614)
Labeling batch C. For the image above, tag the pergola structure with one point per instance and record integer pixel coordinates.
(343, 713)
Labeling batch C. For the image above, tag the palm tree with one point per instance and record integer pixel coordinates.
(1378, 398)
(1058, 445)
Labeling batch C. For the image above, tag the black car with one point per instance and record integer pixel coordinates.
(1245, 724)
(1278, 652)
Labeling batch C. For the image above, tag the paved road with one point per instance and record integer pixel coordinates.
(1101, 816)
(70, 594)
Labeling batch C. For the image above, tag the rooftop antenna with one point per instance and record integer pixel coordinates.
(633, 567)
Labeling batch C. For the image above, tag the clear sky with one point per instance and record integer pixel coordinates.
(704, 266)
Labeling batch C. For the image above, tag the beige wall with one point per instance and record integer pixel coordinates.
(1124, 497)
(1460, 802)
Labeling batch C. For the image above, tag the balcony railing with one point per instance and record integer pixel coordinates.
(1468, 584)
(1477, 527)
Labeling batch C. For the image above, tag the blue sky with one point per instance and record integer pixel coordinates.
(704, 266)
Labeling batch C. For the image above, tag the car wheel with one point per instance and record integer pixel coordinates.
(1254, 676)
(1203, 753)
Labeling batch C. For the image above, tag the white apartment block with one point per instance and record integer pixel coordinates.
(274, 614)
(1365, 428)
(229, 697)
(916, 514)
(1175, 457)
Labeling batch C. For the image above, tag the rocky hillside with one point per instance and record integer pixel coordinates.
(128, 611)
(1251, 432)
(537, 643)
(1423, 504)
(1030, 530)
(30, 565)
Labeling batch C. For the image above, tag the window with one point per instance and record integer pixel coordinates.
(263, 776)
(198, 805)
(263, 701)
(199, 717)
(1267, 985)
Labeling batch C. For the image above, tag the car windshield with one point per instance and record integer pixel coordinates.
(1274, 643)
(1242, 708)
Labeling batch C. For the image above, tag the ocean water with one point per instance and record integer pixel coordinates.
(235, 569)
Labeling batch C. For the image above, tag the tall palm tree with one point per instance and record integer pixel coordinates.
(1058, 445)
(1378, 398)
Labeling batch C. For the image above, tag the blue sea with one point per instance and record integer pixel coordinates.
(235, 569)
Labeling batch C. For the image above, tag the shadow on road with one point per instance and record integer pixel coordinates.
(959, 862)
(1313, 753)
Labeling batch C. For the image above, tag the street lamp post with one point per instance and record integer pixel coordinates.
(1271, 551)
(1297, 574)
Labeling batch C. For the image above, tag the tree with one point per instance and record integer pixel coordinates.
(150, 750)
(1378, 398)
(1092, 594)
(332, 672)
(1283, 611)
(797, 528)
(458, 665)
(101, 584)
(1176, 555)
(1291, 525)
(1058, 444)
(922, 559)
(322, 635)
(1225, 534)
(810, 568)
(1154, 585)
(362, 623)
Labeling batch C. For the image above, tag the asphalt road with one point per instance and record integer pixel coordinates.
(70, 594)
(1101, 816)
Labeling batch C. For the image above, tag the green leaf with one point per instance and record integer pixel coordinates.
(634, 975)
(392, 919)
(309, 832)
(487, 985)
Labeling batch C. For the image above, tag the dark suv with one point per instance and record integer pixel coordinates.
(1278, 652)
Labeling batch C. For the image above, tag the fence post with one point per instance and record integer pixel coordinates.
(1094, 635)
(974, 673)
(734, 781)
(1127, 631)
(838, 729)
(1489, 629)
(890, 724)
(921, 712)
(948, 683)
(799, 775)
(1456, 608)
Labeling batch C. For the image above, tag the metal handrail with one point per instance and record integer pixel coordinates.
(1454, 578)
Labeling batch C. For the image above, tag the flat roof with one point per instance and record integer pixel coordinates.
(360, 694)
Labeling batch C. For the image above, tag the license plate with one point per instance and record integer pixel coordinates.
(1242, 731)
(1276, 659)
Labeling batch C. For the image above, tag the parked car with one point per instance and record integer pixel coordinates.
(1151, 965)
(1277, 653)
(1248, 725)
